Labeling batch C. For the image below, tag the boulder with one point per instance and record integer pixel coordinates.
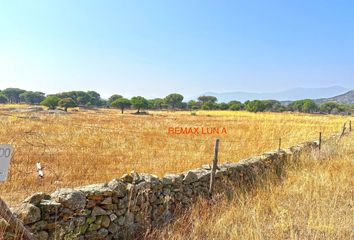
(28, 213)
(101, 190)
(190, 177)
(70, 198)
(97, 211)
(36, 198)
(118, 186)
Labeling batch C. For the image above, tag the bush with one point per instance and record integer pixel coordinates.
(51, 102)
(67, 103)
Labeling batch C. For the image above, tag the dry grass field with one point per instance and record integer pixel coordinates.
(314, 201)
(92, 146)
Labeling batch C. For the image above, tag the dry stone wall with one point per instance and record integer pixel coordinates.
(127, 206)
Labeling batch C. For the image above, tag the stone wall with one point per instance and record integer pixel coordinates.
(127, 206)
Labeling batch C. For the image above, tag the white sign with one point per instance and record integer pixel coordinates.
(5, 157)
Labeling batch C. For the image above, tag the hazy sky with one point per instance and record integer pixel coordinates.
(152, 48)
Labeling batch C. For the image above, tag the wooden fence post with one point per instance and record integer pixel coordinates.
(320, 141)
(9, 217)
(213, 169)
(350, 125)
(279, 146)
(343, 130)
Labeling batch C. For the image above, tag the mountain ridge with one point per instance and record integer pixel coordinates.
(345, 98)
(286, 95)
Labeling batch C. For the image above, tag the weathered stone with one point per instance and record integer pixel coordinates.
(90, 220)
(136, 177)
(96, 190)
(118, 186)
(207, 167)
(28, 213)
(127, 178)
(113, 217)
(97, 211)
(113, 228)
(123, 203)
(79, 221)
(142, 186)
(175, 178)
(99, 220)
(105, 221)
(120, 212)
(91, 204)
(70, 198)
(166, 191)
(94, 227)
(103, 233)
(36, 198)
(66, 214)
(166, 181)
(43, 225)
(107, 201)
(110, 207)
(121, 220)
(190, 177)
(82, 229)
(150, 178)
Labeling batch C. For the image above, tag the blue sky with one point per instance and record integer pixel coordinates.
(152, 48)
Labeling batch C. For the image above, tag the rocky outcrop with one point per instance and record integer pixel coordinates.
(124, 207)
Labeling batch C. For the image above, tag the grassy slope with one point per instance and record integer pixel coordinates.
(315, 201)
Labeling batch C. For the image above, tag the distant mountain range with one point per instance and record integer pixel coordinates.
(346, 98)
(288, 95)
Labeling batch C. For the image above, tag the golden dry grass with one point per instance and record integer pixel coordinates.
(91, 146)
(315, 201)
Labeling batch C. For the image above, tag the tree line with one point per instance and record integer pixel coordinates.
(173, 101)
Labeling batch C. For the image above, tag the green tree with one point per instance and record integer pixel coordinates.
(139, 103)
(183, 105)
(209, 106)
(114, 97)
(121, 103)
(207, 99)
(32, 97)
(156, 103)
(309, 106)
(223, 106)
(235, 105)
(305, 105)
(13, 94)
(174, 100)
(3, 98)
(255, 106)
(205, 107)
(67, 103)
(83, 100)
(51, 102)
(207, 102)
(328, 107)
(193, 105)
(272, 106)
(103, 103)
(94, 97)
